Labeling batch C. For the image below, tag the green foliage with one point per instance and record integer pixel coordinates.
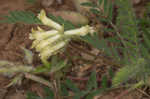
(111, 73)
(127, 24)
(91, 88)
(31, 1)
(104, 82)
(48, 91)
(106, 13)
(97, 43)
(28, 57)
(132, 40)
(130, 45)
(92, 82)
(90, 91)
(32, 96)
(72, 86)
(21, 17)
(89, 4)
(136, 70)
(55, 65)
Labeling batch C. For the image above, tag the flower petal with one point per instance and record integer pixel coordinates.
(48, 51)
(44, 35)
(47, 42)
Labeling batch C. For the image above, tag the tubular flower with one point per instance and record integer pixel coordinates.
(47, 42)
(46, 21)
(51, 50)
(51, 42)
(79, 32)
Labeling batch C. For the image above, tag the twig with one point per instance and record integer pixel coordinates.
(12, 33)
(93, 55)
(143, 92)
(78, 78)
(117, 32)
(83, 50)
(38, 79)
(123, 94)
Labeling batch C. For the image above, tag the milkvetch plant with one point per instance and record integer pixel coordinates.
(50, 42)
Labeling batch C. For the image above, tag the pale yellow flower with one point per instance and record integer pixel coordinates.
(43, 35)
(84, 30)
(50, 42)
(50, 50)
(47, 42)
(47, 21)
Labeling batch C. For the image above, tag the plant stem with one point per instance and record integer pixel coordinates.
(117, 32)
(39, 80)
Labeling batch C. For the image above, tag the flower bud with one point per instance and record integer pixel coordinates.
(43, 35)
(46, 21)
(79, 32)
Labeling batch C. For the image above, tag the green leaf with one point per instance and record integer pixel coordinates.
(104, 82)
(89, 4)
(109, 30)
(31, 95)
(144, 51)
(92, 82)
(115, 53)
(94, 93)
(100, 2)
(64, 91)
(21, 16)
(58, 66)
(49, 93)
(95, 11)
(41, 69)
(103, 19)
(97, 43)
(80, 94)
(28, 55)
(138, 68)
(31, 1)
(110, 10)
(106, 6)
(72, 86)
(146, 41)
(111, 73)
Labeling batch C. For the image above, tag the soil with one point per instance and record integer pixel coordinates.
(12, 37)
(15, 36)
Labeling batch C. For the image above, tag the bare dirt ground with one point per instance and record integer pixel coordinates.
(13, 36)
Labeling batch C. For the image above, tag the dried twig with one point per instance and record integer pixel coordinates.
(38, 79)
(141, 91)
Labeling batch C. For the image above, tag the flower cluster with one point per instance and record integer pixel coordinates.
(50, 42)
